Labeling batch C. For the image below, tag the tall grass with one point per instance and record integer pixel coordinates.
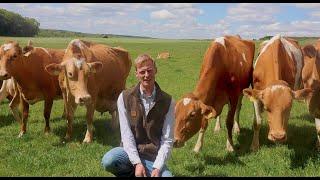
(39, 155)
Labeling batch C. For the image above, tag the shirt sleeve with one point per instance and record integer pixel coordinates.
(166, 141)
(127, 138)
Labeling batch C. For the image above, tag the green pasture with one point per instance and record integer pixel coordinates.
(39, 155)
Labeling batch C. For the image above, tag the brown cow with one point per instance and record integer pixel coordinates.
(225, 72)
(93, 75)
(311, 79)
(277, 71)
(32, 82)
(163, 55)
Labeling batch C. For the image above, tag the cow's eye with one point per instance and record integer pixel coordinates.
(14, 56)
(70, 74)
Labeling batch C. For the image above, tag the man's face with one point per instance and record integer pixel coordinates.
(146, 73)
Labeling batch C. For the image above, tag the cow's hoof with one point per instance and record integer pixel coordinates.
(254, 148)
(21, 134)
(87, 140)
(236, 130)
(67, 138)
(216, 129)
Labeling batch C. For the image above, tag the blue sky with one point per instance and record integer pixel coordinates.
(176, 20)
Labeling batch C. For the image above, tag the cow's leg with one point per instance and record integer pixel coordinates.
(16, 112)
(217, 126)
(317, 122)
(64, 114)
(70, 107)
(115, 120)
(256, 125)
(46, 113)
(89, 134)
(25, 115)
(199, 143)
(236, 126)
(229, 123)
(3, 91)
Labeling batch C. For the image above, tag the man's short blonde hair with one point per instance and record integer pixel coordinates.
(143, 58)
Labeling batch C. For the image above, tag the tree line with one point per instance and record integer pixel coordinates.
(13, 24)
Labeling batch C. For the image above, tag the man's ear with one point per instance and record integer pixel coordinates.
(207, 111)
(54, 69)
(95, 67)
(302, 94)
(253, 94)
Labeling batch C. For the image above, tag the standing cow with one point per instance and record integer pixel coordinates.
(93, 75)
(311, 79)
(277, 71)
(32, 83)
(226, 70)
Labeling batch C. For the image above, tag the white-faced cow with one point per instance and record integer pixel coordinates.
(311, 79)
(226, 70)
(27, 68)
(93, 75)
(276, 80)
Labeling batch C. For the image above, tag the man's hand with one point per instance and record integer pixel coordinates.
(155, 173)
(140, 171)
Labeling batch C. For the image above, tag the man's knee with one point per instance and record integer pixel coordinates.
(108, 162)
(166, 173)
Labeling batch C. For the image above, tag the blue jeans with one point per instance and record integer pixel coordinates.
(117, 162)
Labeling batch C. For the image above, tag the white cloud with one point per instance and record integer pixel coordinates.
(162, 14)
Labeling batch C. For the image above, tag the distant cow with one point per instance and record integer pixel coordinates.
(163, 55)
(277, 71)
(32, 82)
(311, 79)
(226, 70)
(93, 75)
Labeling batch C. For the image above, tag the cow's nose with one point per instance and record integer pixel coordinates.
(279, 137)
(84, 99)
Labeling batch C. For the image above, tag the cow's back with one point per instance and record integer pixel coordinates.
(277, 61)
(225, 71)
(110, 81)
(36, 83)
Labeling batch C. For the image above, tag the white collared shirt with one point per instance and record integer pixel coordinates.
(128, 140)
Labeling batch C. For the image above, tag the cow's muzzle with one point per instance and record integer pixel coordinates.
(82, 100)
(278, 137)
(178, 144)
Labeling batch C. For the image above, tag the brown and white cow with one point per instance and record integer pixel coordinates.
(163, 55)
(93, 75)
(311, 79)
(32, 82)
(276, 80)
(226, 70)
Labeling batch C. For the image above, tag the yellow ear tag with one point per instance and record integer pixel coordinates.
(252, 99)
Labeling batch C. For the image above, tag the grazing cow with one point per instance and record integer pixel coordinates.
(311, 79)
(226, 70)
(163, 55)
(32, 83)
(277, 71)
(93, 75)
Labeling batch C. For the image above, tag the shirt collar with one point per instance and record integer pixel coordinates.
(145, 96)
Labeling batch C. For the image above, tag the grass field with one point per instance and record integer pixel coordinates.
(39, 155)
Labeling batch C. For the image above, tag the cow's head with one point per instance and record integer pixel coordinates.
(10, 52)
(76, 69)
(311, 78)
(190, 114)
(277, 101)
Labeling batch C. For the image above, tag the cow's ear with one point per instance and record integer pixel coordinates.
(54, 69)
(207, 111)
(309, 51)
(253, 94)
(302, 94)
(95, 67)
